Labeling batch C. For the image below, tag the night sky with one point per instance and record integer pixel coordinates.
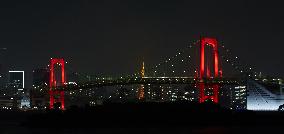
(113, 36)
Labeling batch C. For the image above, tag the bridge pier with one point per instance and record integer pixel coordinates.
(56, 96)
(202, 92)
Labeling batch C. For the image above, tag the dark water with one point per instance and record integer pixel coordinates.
(176, 130)
(146, 118)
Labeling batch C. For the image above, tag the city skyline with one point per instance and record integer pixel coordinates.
(159, 66)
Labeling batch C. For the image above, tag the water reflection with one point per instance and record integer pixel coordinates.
(230, 96)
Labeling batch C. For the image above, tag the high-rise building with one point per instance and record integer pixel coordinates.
(14, 92)
(38, 97)
(239, 97)
(2, 81)
(41, 77)
(73, 77)
(3, 71)
(16, 79)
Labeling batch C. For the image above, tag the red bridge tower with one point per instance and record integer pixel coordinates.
(202, 86)
(55, 95)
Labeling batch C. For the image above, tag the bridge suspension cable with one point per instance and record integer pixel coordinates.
(235, 62)
(171, 65)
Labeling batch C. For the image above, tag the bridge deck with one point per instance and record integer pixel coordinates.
(151, 80)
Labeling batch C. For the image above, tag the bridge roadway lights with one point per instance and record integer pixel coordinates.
(56, 95)
(152, 80)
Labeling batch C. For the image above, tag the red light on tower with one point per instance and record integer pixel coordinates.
(212, 43)
(53, 83)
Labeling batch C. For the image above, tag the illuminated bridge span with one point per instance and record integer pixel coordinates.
(151, 80)
(209, 77)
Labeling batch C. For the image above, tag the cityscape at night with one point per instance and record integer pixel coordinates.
(127, 66)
